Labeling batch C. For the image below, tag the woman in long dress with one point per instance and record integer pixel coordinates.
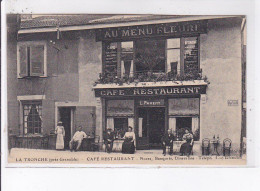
(129, 142)
(60, 136)
(187, 146)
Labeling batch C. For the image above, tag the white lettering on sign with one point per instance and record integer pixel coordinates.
(151, 103)
(151, 91)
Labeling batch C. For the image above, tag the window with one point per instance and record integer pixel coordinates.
(175, 55)
(111, 51)
(32, 117)
(118, 59)
(31, 59)
(184, 114)
(191, 54)
(150, 56)
(182, 123)
(121, 126)
(127, 59)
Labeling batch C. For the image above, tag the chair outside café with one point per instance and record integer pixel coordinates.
(226, 146)
(95, 145)
(205, 146)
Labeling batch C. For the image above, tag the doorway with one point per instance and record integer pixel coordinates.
(151, 127)
(66, 116)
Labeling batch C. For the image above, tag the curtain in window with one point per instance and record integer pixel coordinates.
(195, 124)
(132, 69)
(38, 110)
(173, 55)
(122, 68)
(26, 111)
(140, 126)
(131, 123)
(110, 123)
(172, 124)
(127, 68)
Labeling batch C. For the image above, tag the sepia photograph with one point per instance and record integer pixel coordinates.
(126, 89)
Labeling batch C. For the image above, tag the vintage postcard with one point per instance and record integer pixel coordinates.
(94, 89)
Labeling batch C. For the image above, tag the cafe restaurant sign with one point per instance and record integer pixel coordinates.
(153, 30)
(150, 91)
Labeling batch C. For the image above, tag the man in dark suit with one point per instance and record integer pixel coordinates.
(109, 139)
(167, 140)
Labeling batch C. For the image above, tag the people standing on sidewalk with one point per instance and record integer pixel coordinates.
(109, 137)
(76, 140)
(60, 132)
(129, 142)
(167, 140)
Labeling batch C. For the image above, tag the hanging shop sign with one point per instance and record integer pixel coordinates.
(151, 91)
(153, 30)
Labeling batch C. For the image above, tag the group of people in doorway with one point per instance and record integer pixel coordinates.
(129, 143)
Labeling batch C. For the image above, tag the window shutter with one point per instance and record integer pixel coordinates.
(37, 60)
(22, 61)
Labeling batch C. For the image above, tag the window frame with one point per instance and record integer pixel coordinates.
(31, 102)
(124, 130)
(166, 54)
(182, 48)
(28, 71)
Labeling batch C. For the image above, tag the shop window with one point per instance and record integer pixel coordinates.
(184, 113)
(182, 123)
(31, 59)
(32, 117)
(111, 51)
(150, 56)
(178, 125)
(173, 55)
(121, 52)
(127, 64)
(121, 125)
(191, 55)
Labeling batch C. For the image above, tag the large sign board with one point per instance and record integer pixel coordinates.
(151, 91)
(153, 30)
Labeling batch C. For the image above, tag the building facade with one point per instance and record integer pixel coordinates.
(149, 72)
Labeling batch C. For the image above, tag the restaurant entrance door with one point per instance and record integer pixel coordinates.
(66, 117)
(151, 127)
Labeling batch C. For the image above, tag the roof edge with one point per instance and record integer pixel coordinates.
(133, 23)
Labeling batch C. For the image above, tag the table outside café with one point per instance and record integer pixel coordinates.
(215, 143)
